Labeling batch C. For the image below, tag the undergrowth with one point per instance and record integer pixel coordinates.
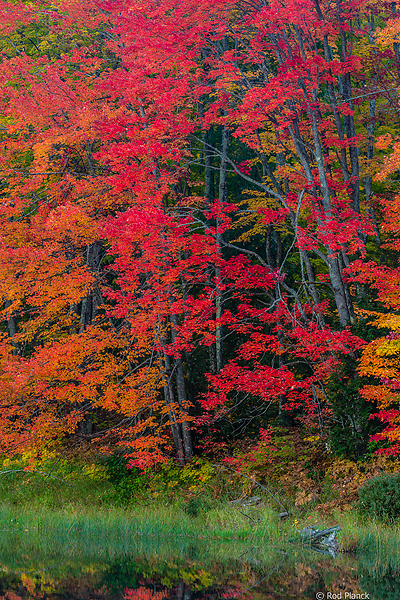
(285, 471)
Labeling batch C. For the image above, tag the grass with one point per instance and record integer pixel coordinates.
(75, 538)
(102, 526)
(75, 518)
(49, 536)
(370, 536)
(113, 544)
(121, 562)
(83, 500)
(170, 521)
(79, 498)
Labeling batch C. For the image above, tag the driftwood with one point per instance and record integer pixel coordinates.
(255, 501)
(312, 535)
(325, 533)
(323, 541)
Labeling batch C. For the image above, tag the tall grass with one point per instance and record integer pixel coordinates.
(373, 539)
(81, 503)
(94, 524)
(65, 541)
(77, 540)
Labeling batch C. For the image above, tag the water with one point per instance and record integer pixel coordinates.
(156, 568)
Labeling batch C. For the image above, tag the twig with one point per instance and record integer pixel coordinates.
(244, 514)
(254, 481)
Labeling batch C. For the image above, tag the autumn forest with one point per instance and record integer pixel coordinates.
(200, 219)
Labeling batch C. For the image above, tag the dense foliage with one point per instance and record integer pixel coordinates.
(380, 497)
(199, 224)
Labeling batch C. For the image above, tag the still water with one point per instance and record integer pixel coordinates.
(163, 569)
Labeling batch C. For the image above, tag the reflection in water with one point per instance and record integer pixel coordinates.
(183, 569)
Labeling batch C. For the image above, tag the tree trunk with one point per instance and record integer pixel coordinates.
(90, 303)
(169, 397)
(87, 315)
(182, 397)
(223, 197)
(12, 328)
(346, 313)
(209, 187)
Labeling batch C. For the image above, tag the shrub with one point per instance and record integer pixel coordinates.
(172, 480)
(380, 497)
(127, 484)
(195, 506)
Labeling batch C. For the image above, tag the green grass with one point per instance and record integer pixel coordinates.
(87, 519)
(64, 541)
(159, 531)
(102, 526)
(370, 535)
(116, 545)
(82, 500)
(166, 543)
(154, 520)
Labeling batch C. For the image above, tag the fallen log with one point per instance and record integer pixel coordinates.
(323, 541)
(312, 535)
(325, 532)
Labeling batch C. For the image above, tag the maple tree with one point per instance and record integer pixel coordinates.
(187, 198)
(275, 111)
(380, 357)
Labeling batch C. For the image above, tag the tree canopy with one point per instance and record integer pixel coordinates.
(199, 223)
